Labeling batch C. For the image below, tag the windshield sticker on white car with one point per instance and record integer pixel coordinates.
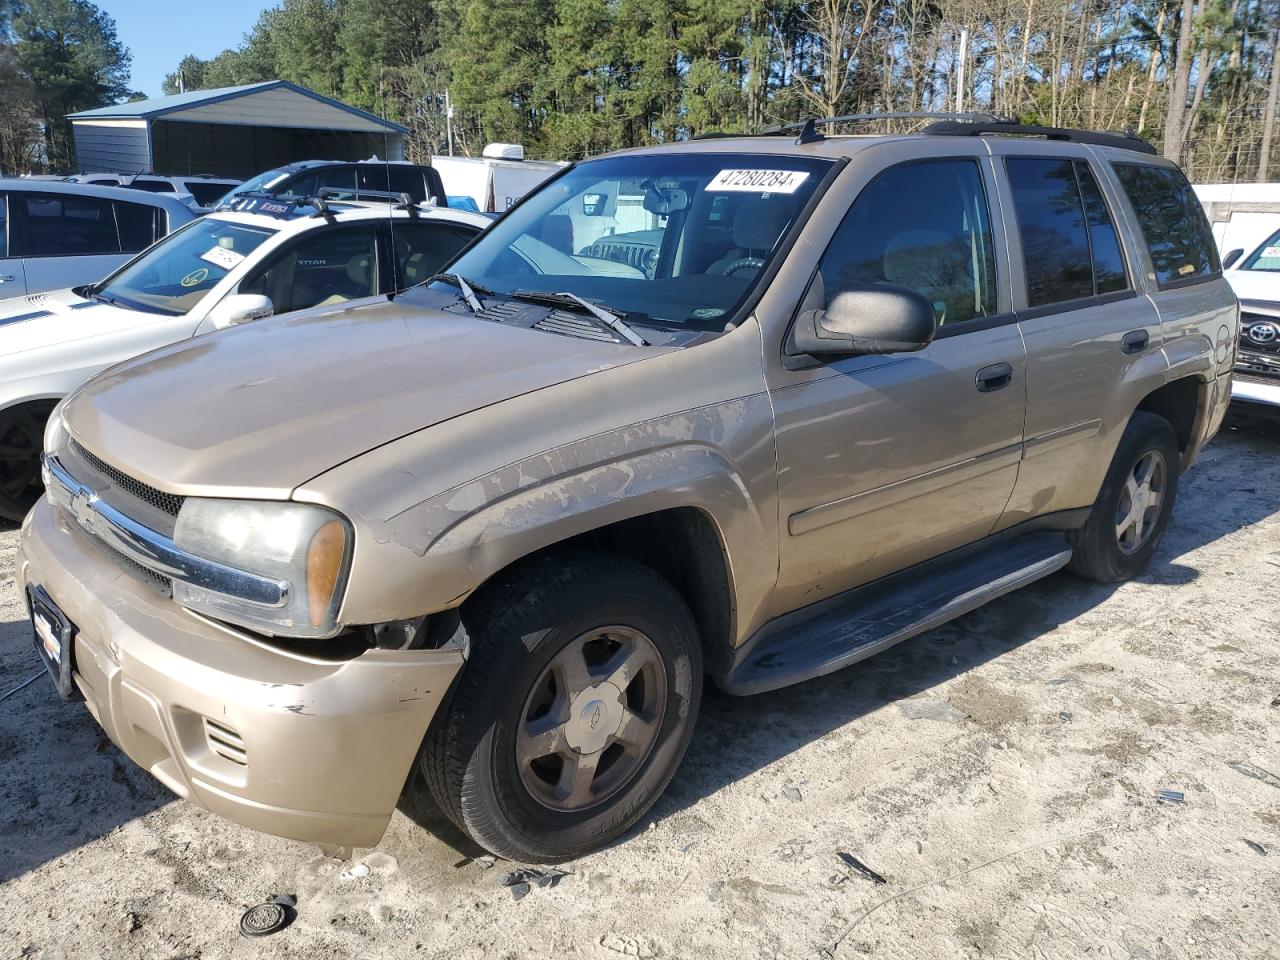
(195, 277)
(222, 257)
(1270, 253)
(758, 181)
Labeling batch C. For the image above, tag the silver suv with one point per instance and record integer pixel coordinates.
(502, 526)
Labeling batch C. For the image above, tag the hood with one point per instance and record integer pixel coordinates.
(59, 316)
(1257, 285)
(258, 409)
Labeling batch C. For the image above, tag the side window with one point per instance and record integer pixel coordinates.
(55, 225)
(138, 226)
(4, 225)
(329, 267)
(1173, 223)
(153, 186)
(1055, 244)
(1069, 244)
(421, 249)
(336, 178)
(407, 180)
(1108, 262)
(924, 226)
(205, 192)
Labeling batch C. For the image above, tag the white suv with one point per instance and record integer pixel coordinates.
(268, 256)
(199, 192)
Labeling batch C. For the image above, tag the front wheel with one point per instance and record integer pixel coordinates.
(573, 711)
(1134, 506)
(21, 443)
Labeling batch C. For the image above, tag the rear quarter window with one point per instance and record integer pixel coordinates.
(1173, 223)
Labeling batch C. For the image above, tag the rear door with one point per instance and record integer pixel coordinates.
(13, 278)
(887, 461)
(64, 239)
(1092, 336)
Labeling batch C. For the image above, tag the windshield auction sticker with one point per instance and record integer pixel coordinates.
(222, 257)
(758, 181)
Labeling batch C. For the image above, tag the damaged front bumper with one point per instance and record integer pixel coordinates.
(310, 749)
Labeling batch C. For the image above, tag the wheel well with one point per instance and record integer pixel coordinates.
(1179, 403)
(683, 546)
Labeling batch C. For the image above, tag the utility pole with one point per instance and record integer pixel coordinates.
(962, 60)
(448, 120)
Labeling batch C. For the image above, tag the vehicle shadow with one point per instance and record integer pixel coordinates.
(62, 783)
(737, 736)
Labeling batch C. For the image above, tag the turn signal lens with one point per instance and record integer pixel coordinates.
(325, 555)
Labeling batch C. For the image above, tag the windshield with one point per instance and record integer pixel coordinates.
(1266, 257)
(175, 274)
(665, 239)
(262, 182)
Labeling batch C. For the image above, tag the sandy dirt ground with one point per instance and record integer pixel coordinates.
(1001, 774)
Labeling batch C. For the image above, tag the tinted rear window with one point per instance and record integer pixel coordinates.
(153, 186)
(1173, 223)
(65, 226)
(137, 224)
(1055, 244)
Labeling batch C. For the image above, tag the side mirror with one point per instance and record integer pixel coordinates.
(879, 319)
(240, 308)
(1230, 259)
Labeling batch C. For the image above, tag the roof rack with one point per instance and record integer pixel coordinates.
(809, 133)
(1108, 138)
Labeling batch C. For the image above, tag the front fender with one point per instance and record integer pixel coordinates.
(425, 556)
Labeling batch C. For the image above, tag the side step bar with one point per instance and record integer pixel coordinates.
(834, 633)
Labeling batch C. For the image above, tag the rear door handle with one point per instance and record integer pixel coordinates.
(1135, 341)
(995, 377)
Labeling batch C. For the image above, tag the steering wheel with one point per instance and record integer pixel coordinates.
(742, 263)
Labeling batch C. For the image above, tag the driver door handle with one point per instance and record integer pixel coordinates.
(995, 377)
(7, 278)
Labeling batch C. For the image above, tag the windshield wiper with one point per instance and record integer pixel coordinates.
(610, 318)
(468, 290)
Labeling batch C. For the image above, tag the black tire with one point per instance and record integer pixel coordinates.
(517, 628)
(21, 443)
(1096, 550)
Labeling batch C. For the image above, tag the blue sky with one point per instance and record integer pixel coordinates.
(159, 33)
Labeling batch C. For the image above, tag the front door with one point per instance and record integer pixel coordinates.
(885, 461)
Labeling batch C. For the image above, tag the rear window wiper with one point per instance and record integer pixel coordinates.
(610, 318)
(467, 289)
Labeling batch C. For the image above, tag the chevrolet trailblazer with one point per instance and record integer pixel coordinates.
(502, 526)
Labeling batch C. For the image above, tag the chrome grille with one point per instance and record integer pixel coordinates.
(169, 503)
(640, 256)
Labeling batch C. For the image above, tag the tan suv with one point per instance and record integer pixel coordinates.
(752, 407)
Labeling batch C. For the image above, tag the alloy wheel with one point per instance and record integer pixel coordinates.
(592, 719)
(1140, 502)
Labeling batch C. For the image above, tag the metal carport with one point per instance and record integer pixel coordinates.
(230, 132)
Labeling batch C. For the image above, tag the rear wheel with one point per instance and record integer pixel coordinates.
(1134, 506)
(21, 442)
(573, 711)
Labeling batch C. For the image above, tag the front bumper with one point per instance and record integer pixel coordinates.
(1254, 389)
(308, 749)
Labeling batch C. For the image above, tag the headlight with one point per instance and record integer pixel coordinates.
(305, 547)
(55, 431)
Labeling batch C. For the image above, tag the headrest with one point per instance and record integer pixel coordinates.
(758, 223)
(358, 269)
